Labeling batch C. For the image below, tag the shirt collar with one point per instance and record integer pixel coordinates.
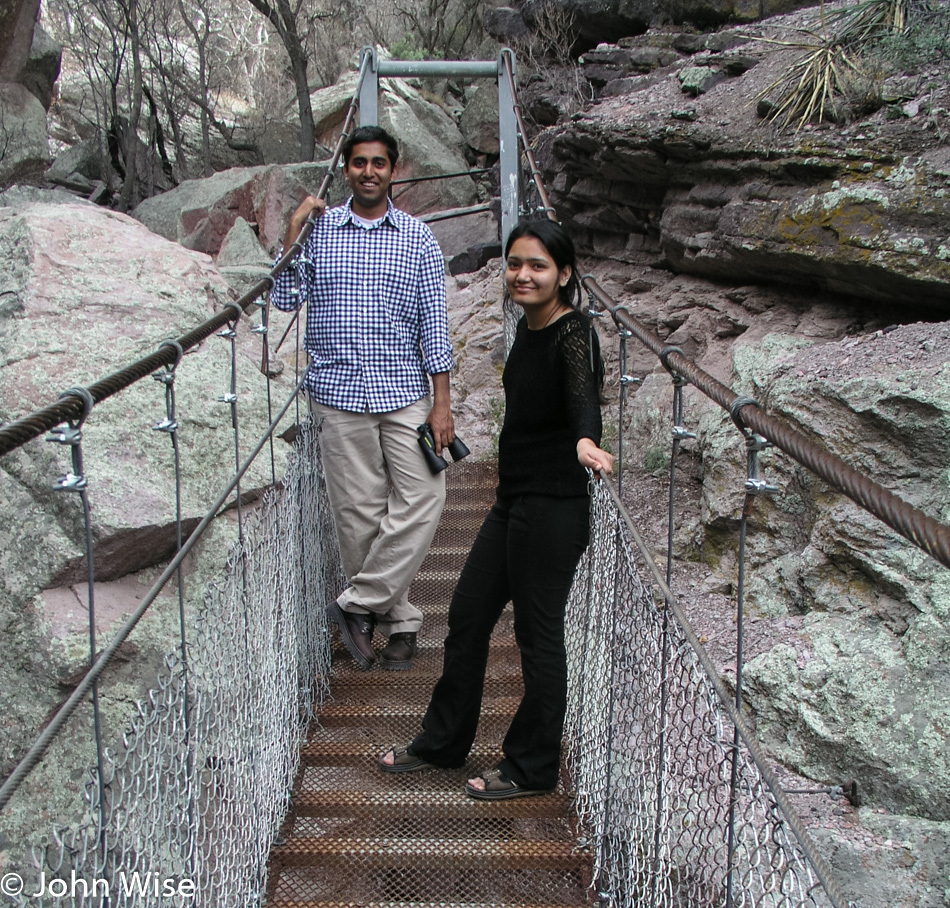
(388, 217)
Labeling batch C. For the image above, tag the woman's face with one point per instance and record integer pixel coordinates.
(531, 275)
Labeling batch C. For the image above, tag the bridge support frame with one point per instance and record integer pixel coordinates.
(466, 69)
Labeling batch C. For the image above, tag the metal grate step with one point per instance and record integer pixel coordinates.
(358, 836)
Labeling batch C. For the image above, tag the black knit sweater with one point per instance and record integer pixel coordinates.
(551, 401)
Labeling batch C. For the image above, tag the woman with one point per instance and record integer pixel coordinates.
(533, 537)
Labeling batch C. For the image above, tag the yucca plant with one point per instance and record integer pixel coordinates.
(816, 85)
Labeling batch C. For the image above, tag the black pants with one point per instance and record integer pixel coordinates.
(526, 552)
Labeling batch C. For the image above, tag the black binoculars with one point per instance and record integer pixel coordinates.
(436, 462)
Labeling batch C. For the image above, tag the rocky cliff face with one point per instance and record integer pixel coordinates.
(679, 171)
(808, 269)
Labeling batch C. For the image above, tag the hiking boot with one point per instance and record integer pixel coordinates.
(397, 655)
(357, 633)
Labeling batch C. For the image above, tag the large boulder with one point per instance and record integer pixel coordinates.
(41, 70)
(17, 19)
(856, 689)
(479, 121)
(88, 291)
(24, 149)
(862, 691)
(199, 214)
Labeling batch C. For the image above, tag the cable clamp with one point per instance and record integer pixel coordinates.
(70, 483)
(226, 398)
(760, 487)
(166, 425)
(259, 329)
(74, 480)
(629, 380)
(227, 333)
(681, 434)
(755, 443)
(71, 434)
(65, 435)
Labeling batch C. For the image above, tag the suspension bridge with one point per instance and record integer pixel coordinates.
(249, 777)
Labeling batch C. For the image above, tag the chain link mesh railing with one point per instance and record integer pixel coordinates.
(674, 803)
(193, 799)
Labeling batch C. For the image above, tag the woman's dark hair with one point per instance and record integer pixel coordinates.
(370, 134)
(560, 247)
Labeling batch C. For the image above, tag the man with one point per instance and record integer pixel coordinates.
(376, 333)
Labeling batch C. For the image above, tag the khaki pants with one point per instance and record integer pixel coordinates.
(386, 504)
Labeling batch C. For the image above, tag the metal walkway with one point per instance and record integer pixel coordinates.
(356, 836)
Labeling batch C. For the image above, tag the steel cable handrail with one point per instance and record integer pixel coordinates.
(18, 432)
(923, 531)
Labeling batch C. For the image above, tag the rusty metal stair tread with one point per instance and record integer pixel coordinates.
(401, 802)
(427, 852)
(359, 837)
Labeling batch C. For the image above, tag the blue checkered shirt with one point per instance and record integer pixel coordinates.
(376, 319)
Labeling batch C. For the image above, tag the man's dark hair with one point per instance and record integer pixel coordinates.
(370, 134)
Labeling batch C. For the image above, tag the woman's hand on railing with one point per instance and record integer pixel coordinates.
(594, 458)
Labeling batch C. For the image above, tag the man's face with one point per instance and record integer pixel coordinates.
(369, 174)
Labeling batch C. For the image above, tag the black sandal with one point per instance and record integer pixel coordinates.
(498, 787)
(403, 761)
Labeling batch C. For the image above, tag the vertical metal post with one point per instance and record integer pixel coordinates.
(369, 89)
(508, 148)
